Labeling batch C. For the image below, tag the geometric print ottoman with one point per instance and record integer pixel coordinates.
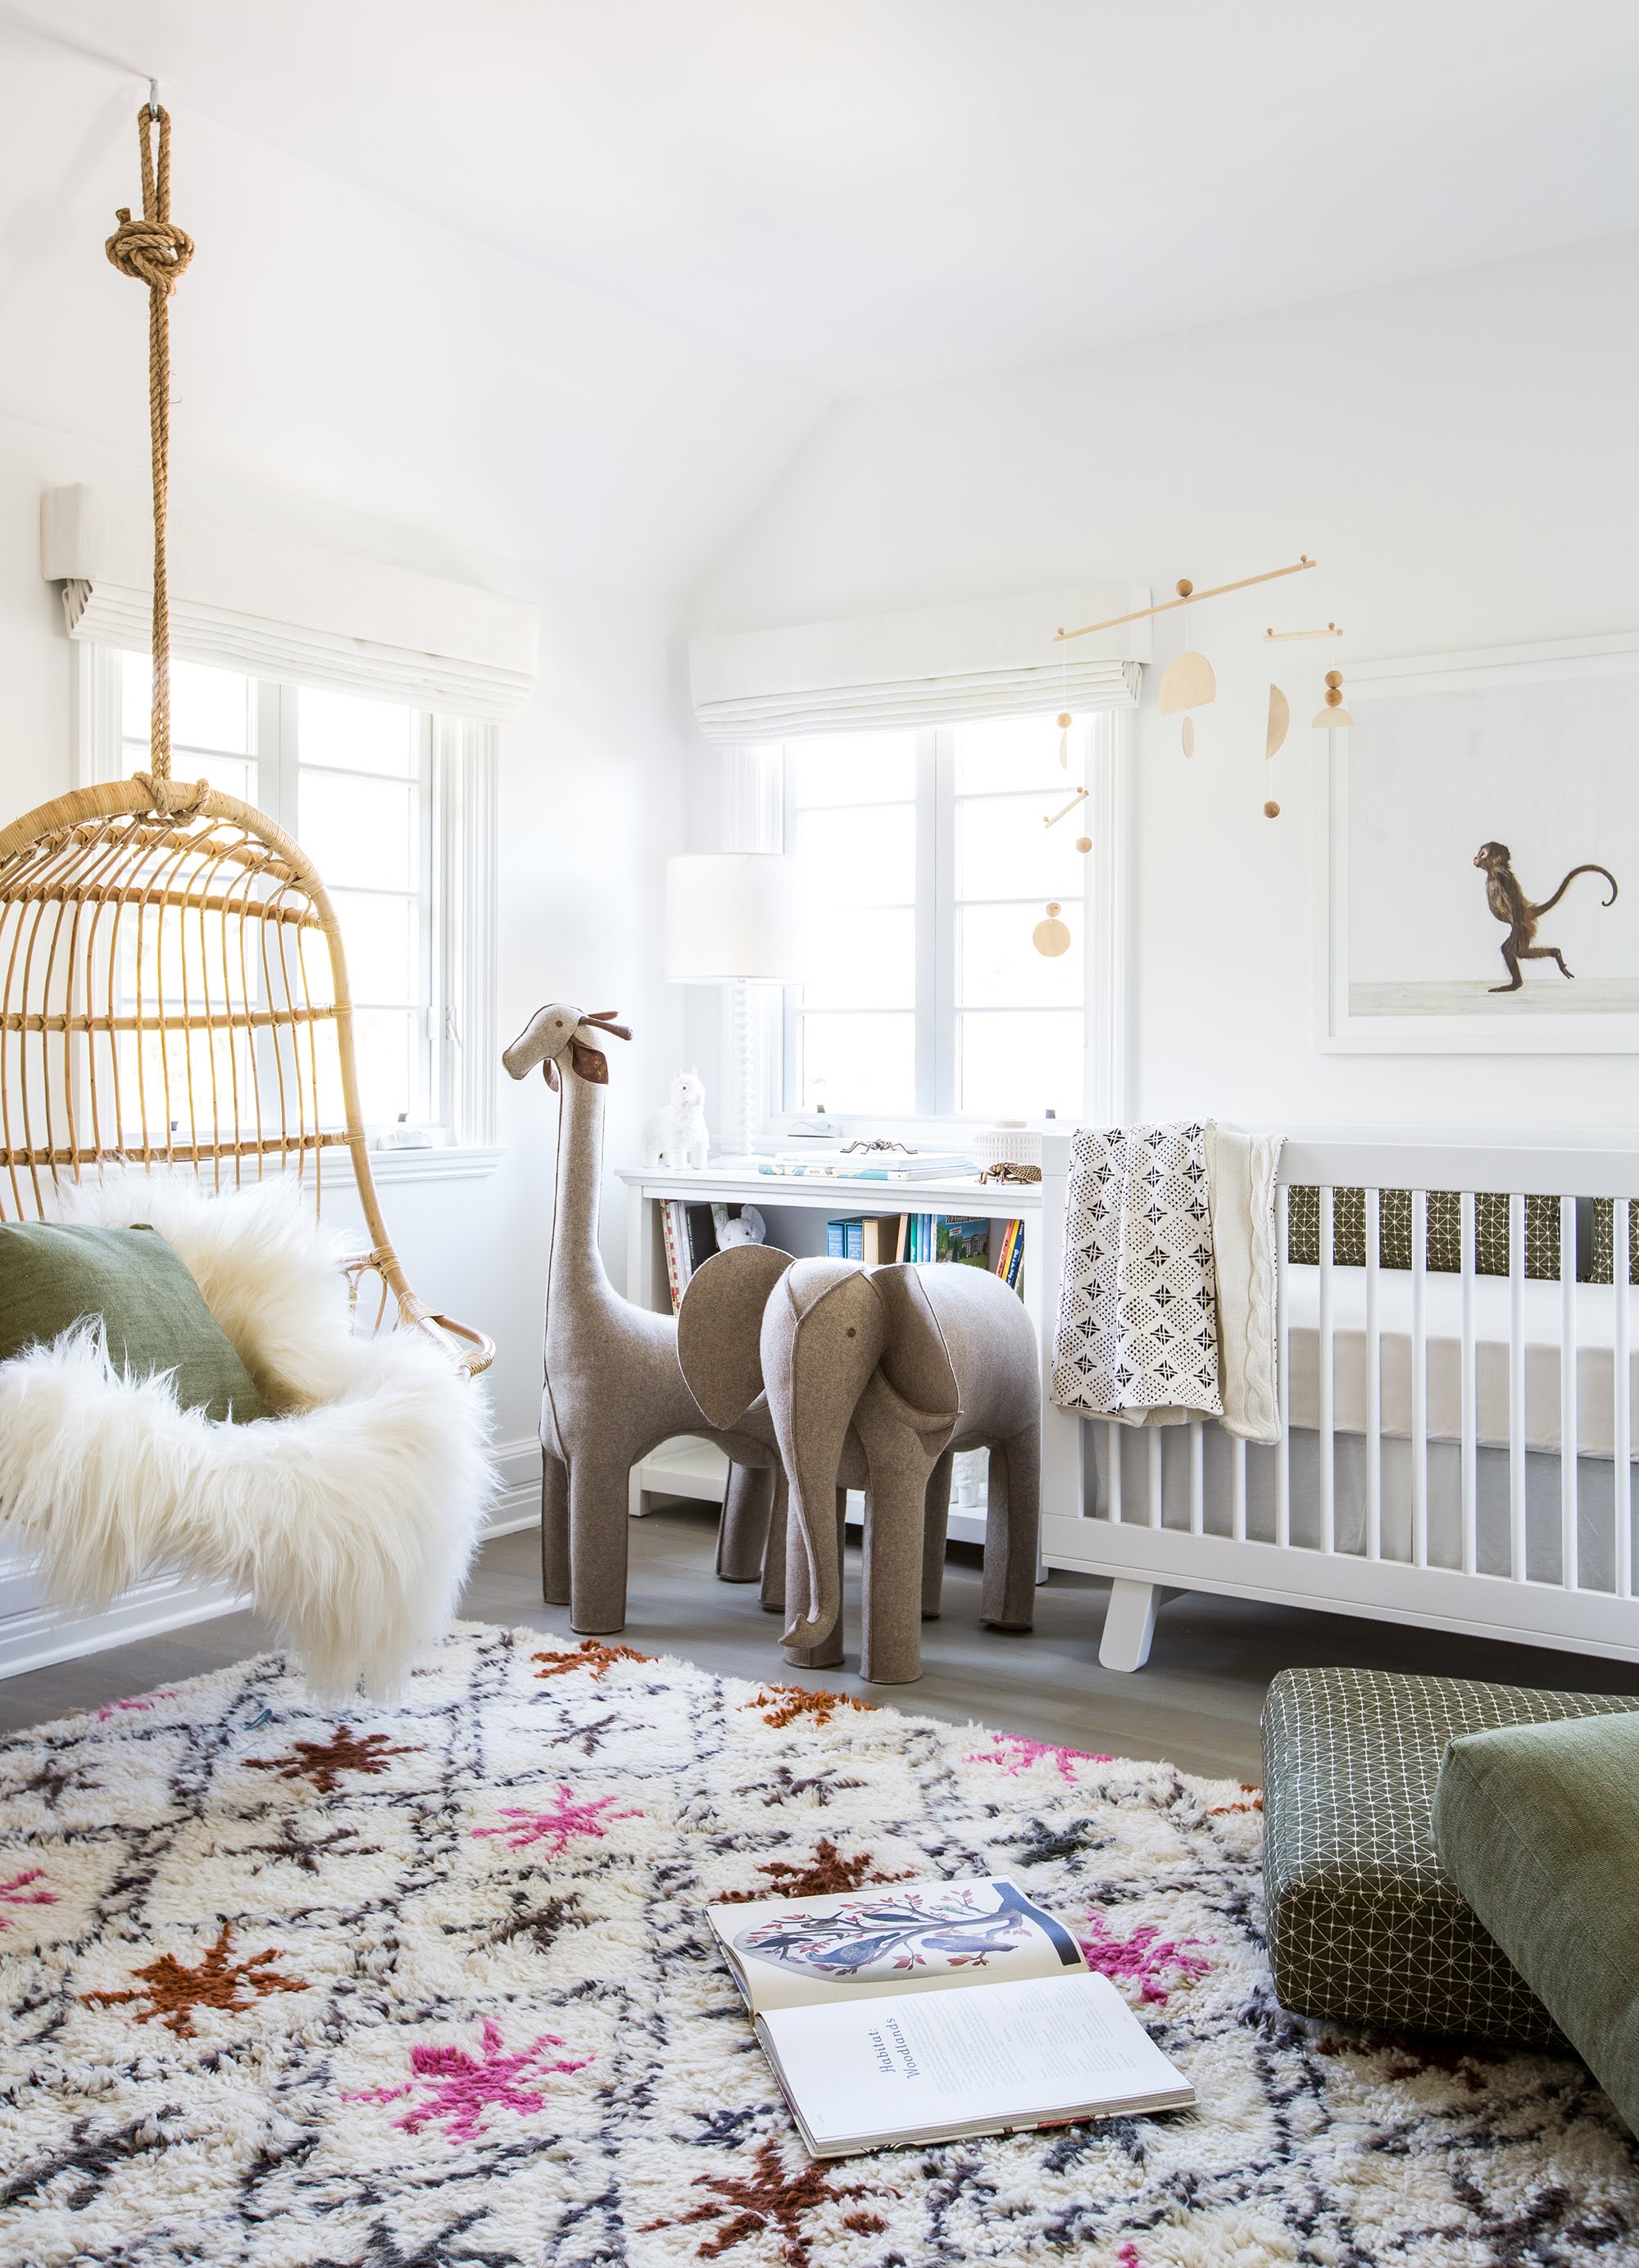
(1363, 1922)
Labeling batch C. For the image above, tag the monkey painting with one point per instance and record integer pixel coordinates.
(1511, 905)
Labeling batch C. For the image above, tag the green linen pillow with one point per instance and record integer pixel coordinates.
(52, 1276)
(1537, 1825)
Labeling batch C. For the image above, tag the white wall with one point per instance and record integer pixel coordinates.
(1460, 454)
(347, 374)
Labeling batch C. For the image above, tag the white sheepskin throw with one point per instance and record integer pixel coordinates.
(350, 1518)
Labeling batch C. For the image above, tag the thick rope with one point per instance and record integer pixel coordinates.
(155, 252)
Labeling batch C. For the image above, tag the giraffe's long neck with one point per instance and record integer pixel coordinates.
(576, 1274)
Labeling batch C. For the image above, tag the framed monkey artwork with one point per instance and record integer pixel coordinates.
(1478, 855)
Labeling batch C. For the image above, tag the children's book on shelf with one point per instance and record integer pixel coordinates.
(925, 2011)
(692, 1233)
(966, 1242)
(1010, 1258)
(873, 1239)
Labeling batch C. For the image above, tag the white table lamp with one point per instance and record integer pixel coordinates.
(732, 917)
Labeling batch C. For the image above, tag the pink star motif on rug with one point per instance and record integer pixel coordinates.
(16, 1893)
(457, 2089)
(132, 1707)
(559, 1827)
(1143, 1959)
(1015, 1753)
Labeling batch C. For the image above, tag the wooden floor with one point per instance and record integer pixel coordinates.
(1196, 1703)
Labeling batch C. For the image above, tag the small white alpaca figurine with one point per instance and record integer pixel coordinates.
(675, 1136)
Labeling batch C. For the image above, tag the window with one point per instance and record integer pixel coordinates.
(926, 862)
(387, 801)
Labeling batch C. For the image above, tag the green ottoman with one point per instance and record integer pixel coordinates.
(1363, 1923)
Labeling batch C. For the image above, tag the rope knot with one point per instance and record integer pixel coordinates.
(171, 798)
(151, 252)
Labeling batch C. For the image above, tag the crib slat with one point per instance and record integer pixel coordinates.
(1516, 1388)
(1237, 1489)
(1470, 1424)
(1154, 1432)
(1283, 1381)
(1419, 1377)
(1198, 1477)
(1323, 1356)
(1113, 1466)
(1621, 1397)
(1374, 1381)
(1567, 1393)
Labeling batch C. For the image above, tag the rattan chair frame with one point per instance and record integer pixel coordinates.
(173, 994)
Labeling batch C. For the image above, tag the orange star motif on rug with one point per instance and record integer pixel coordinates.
(323, 1761)
(790, 1704)
(174, 1990)
(771, 2201)
(827, 1871)
(592, 1654)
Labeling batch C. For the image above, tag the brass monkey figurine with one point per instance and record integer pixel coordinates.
(1508, 902)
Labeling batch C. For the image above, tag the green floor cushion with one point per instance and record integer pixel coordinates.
(1538, 1826)
(1364, 1923)
(52, 1276)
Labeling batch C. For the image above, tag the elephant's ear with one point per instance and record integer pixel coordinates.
(719, 1328)
(916, 1361)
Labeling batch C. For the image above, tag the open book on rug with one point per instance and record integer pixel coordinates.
(922, 2012)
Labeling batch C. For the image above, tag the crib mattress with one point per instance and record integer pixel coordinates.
(1596, 1323)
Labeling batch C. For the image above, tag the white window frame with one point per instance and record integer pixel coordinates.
(459, 883)
(754, 818)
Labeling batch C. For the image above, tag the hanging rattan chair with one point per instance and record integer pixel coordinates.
(174, 1001)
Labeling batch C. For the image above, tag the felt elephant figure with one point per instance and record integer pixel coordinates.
(873, 1378)
(614, 1390)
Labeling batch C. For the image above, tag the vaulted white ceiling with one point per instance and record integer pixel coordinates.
(874, 193)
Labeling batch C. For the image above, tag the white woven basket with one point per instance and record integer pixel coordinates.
(1004, 1144)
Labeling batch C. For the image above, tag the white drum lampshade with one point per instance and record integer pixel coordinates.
(732, 917)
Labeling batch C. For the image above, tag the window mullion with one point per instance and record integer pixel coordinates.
(930, 976)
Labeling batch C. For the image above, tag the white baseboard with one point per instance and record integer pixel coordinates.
(34, 1634)
(519, 1503)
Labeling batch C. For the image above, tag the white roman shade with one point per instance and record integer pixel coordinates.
(277, 609)
(996, 658)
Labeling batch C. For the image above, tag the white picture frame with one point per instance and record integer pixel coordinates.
(1536, 746)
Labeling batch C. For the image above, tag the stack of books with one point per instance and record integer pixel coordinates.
(928, 1236)
(870, 1164)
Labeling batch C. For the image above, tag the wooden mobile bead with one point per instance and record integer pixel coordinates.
(1083, 843)
(1334, 677)
(1065, 720)
(1184, 586)
(1272, 811)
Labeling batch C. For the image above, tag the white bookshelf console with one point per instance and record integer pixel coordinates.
(796, 1209)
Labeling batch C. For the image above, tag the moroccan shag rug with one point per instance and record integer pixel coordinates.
(432, 1985)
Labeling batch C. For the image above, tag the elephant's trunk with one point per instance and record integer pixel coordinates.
(823, 1334)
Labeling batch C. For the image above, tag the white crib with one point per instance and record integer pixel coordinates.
(1422, 1473)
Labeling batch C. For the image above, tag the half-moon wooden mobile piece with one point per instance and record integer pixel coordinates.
(1189, 683)
(1279, 719)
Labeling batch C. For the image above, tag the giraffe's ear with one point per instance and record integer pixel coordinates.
(591, 1064)
(549, 1072)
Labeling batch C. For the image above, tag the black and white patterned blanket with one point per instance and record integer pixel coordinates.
(1138, 1330)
